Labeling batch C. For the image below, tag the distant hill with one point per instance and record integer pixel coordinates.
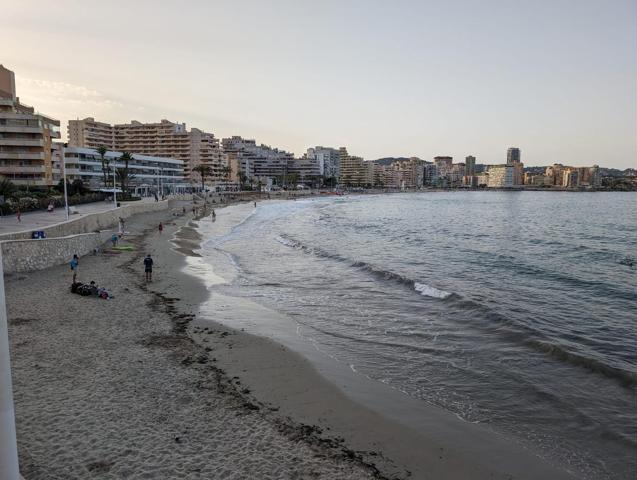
(389, 160)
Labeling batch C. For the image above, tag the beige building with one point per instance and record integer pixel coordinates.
(88, 133)
(26, 138)
(501, 176)
(163, 139)
(355, 172)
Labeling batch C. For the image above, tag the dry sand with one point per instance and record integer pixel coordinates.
(142, 387)
(115, 389)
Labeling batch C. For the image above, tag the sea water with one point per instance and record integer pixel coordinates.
(517, 310)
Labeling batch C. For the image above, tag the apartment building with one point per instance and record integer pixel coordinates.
(88, 133)
(149, 174)
(328, 160)
(256, 163)
(26, 138)
(501, 176)
(355, 172)
(164, 139)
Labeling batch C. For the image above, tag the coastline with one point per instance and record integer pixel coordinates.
(403, 437)
(298, 423)
(116, 389)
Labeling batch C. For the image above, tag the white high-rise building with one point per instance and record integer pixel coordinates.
(328, 160)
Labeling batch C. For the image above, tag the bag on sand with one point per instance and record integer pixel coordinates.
(75, 286)
(84, 290)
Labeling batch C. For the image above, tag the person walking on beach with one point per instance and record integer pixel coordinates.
(148, 268)
(18, 215)
(75, 266)
(161, 227)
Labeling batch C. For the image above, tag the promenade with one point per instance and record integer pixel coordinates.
(39, 219)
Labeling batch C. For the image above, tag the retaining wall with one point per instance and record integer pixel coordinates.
(28, 255)
(93, 221)
(77, 236)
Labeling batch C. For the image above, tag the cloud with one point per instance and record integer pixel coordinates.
(48, 92)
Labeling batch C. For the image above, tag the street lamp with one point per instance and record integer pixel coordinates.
(114, 189)
(66, 197)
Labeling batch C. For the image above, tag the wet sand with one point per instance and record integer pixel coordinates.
(145, 386)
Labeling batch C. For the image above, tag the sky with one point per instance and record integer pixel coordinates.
(556, 78)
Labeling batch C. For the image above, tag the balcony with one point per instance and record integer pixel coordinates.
(11, 170)
(21, 142)
(20, 129)
(21, 156)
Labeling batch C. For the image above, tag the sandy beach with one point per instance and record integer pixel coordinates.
(115, 389)
(142, 386)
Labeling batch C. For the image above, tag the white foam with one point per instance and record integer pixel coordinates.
(430, 291)
(287, 242)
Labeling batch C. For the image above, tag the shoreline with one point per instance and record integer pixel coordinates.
(116, 389)
(305, 385)
(144, 383)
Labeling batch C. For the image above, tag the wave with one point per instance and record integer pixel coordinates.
(421, 288)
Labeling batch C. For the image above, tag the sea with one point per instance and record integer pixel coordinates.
(515, 310)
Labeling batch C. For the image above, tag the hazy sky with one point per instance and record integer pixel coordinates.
(384, 78)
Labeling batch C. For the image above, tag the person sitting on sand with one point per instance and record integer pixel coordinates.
(148, 268)
(50, 207)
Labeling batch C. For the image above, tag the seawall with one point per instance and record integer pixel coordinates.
(76, 236)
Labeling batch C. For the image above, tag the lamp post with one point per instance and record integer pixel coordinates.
(114, 189)
(8, 444)
(66, 197)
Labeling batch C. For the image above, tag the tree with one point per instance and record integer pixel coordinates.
(123, 174)
(77, 187)
(7, 187)
(204, 171)
(105, 163)
(226, 171)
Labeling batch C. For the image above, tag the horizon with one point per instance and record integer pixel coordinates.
(422, 80)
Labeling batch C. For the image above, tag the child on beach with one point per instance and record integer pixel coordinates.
(148, 268)
(75, 265)
(161, 227)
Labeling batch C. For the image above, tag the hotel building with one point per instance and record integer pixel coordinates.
(251, 162)
(148, 173)
(355, 172)
(26, 138)
(329, 160)
(501, 176)
(162, 139)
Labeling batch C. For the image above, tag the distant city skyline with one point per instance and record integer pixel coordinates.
(406, 79)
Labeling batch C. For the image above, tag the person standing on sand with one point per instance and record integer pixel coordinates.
(161, 227)
(75, 266)
(18, 215)
(148, 268)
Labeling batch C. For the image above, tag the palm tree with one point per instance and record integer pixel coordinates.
(102, 151)
(123, 174)
(204, 171)
(226, 171)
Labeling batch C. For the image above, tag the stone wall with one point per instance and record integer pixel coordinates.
(28, 255)
(92, 222)
(77, 236)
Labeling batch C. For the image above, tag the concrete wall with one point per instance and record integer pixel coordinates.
(80, 235)
(92, 222)
(28, 255)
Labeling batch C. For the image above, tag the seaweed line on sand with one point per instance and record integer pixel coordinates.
(181, 347)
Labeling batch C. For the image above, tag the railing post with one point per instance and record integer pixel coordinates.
(8, 443)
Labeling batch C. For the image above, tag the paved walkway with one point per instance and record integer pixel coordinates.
(41, 218)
